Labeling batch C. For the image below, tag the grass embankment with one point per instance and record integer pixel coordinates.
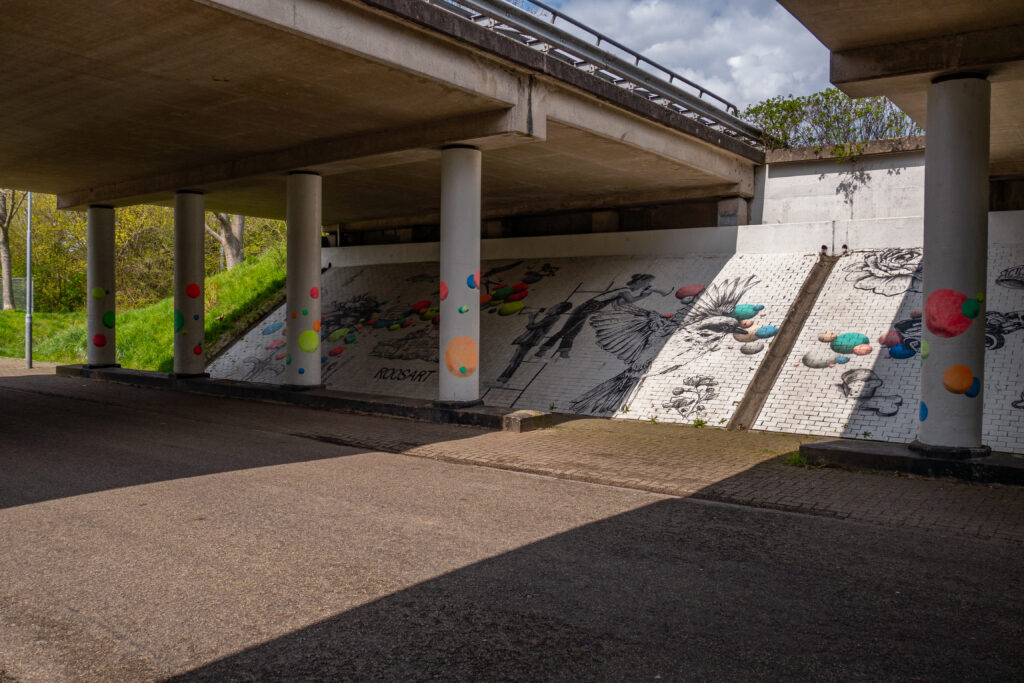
(234, 300)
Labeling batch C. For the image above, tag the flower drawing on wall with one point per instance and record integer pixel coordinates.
(691, 398)
(888, 272)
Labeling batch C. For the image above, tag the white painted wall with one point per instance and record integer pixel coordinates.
(882, 186)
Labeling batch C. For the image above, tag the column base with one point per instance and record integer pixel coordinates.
(102, 366)
(459, 404)
(302, 387)
(950, 452)
(190, 375)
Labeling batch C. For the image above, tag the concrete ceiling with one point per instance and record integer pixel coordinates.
(896, 48)
(120, 102)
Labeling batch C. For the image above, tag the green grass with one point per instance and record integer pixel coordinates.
(234, 300)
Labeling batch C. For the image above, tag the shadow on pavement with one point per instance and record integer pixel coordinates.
(60, 439)
(681, 590)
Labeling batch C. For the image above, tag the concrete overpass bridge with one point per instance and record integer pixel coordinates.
(361, 113)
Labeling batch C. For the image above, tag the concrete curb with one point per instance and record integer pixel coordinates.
(348, 402)
(997, 468)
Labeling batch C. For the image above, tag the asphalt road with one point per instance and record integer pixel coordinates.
(148, 535)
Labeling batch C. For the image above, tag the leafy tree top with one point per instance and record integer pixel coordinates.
(828, 119)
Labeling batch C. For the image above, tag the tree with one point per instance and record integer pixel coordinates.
(10, 203)
(230, 235)
(828, 119)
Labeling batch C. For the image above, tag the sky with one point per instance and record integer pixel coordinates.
(743, 50)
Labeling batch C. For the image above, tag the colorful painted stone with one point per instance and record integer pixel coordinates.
(819, 358)
(750, 348)
(958, 379)
(485, 299)
(281, 356)
(845, 343)
(827, 337)
(689, 291)
(916, 313)
(309, 341)
(944, 315)
(901, 352)
(744, 311)
(272, 328)
(277, 344)
(337, 334)
(518, 296)
(511, 308)
(842, 360)
(461, 356)
(336, 351)
(766, 331)
(747, 324)
(744, 336)
(502, 293)
(862, 349)
(890, 339)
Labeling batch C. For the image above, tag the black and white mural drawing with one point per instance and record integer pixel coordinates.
(889, 272)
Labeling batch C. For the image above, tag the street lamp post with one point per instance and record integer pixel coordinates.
(29, 294)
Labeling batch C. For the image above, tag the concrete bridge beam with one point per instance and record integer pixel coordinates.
(459, 379)
(101, 287)
(189, 284)
(304, 221)
(955, 262)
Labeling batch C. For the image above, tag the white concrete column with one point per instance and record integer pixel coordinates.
(304, 224)
(189, 284)
(460, 275)
(955, 262)
(100, 285)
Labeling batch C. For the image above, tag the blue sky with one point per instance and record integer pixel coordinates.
(743, 50)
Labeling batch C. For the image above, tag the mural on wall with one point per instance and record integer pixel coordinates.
(1019, 403)
(531, 336)
(889, 272)
(690, 399)
(636, 336)
(862, 384)
(639, 287)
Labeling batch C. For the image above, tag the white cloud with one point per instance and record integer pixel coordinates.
(743, 50)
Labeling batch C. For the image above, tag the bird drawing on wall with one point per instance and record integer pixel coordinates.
(637, 335)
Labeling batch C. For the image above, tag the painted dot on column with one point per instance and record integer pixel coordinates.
(108, 319)
(316, 325)
(99, 340)
(944, 313)
(98, 292)
(958, 379)
(179, 320)
(444, 290)
(294, 315)
(288, 359)
(309, 341)
(980, 296)
(461, 356)
(314, 293)
(974, 390)
(926, 349)
(197, 349)
(970, 308)
(463, 309)
(192, 290)
(305, 311)
(195, 317)
(302, 371)
(923, 411)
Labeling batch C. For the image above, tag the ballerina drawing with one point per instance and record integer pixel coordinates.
(637, 335)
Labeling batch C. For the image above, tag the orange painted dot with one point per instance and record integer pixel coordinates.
(316, 325)
(957, 379)
(461, 356)
(295, 315)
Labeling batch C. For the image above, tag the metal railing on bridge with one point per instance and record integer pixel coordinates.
(536, 28)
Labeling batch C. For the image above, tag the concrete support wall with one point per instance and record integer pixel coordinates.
(303, 355)
(955, 262)
(101, 286)
(189, 284)
(459, 356)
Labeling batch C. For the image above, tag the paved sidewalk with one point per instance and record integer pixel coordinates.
(15, 367)
(744, 468)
